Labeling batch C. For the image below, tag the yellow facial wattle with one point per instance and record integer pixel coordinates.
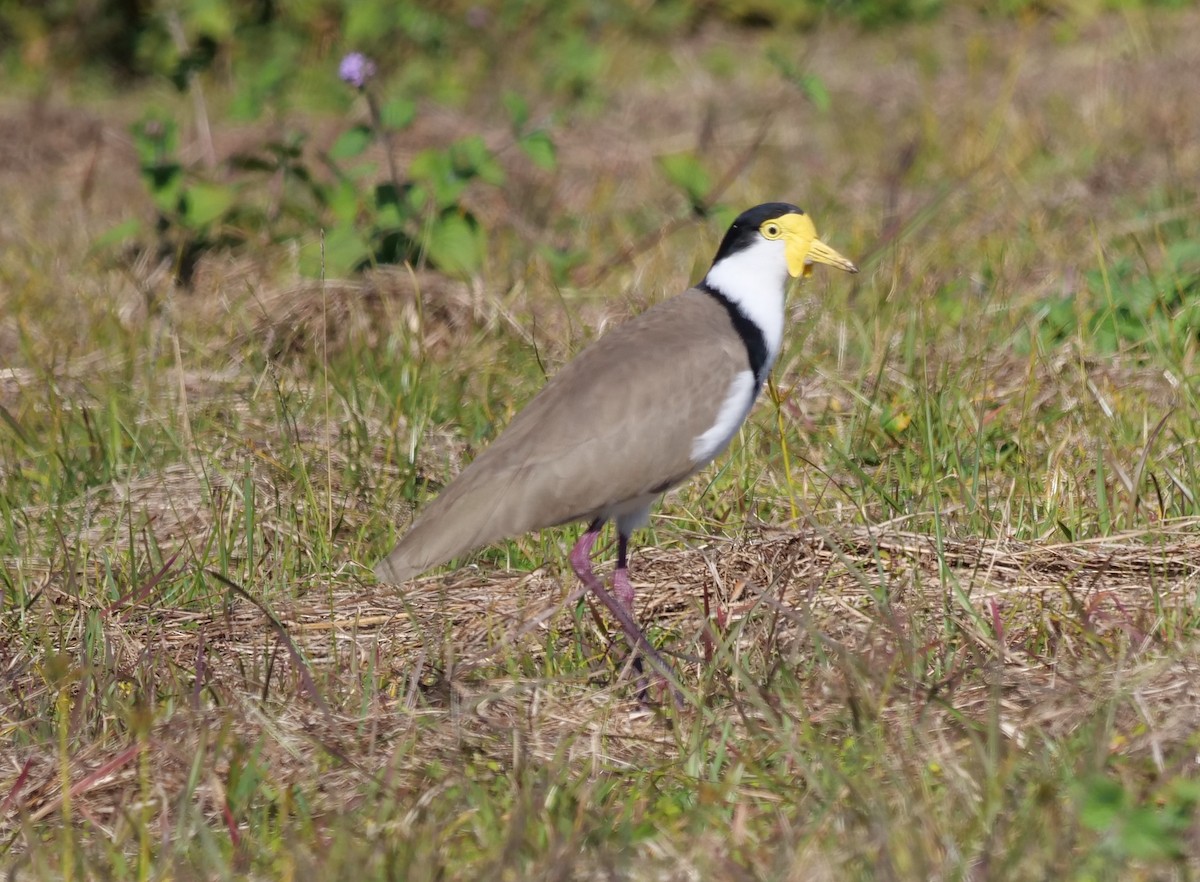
(801, 246)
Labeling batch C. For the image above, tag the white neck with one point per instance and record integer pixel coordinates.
(755, 280)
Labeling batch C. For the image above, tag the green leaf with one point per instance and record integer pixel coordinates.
(205, 203)
(344, 203)
(263, 77)
(156, 139)
(165, 180)
(428, 165)
(814, 87)
(398, 114)
(1184, 793)
(345, 250)
(367, 20)
(562, 260)
(1104, 801)
(518, 110)
(686, 172)
(810, 84)
(416, 199)
(455, 244)
(473, 159)
(392, 207)
(1060, 320)
(211, 18)
(1149, 834)
(246, 104)
(351, 143)
(167, 192)
(896, 423)
(435, 169)
(1184, 252)
(539, 148)
(118, 235)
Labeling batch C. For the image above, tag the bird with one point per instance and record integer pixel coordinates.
(636, 413)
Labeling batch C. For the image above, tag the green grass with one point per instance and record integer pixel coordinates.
(937, 609)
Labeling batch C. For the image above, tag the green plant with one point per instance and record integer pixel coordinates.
(194, 215)
(421, 218)
(1149, 829)
(274, 193)
(1127, 303)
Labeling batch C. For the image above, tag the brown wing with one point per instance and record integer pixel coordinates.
(616, 423)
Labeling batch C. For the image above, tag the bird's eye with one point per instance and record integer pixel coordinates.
(771, 231)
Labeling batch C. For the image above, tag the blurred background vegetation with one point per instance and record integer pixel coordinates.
(257, 61)
(451, 48)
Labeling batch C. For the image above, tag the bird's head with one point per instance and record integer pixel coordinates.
(778, 235)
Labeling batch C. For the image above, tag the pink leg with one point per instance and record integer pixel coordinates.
(621, 606)
(581, 554)
(622, 587)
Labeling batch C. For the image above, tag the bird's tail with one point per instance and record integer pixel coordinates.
(451, 525)
(396, 568)
(430, 542)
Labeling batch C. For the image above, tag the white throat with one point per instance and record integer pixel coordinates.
(755, 280)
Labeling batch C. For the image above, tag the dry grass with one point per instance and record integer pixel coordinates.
(956, 631)
(1052, 631)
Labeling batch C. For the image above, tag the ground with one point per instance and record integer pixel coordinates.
(936, 611)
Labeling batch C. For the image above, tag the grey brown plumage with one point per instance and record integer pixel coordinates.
(611, 426)
(637, 412)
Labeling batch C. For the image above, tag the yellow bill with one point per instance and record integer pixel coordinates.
(803, 249)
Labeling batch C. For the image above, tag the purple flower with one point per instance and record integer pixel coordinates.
(356, 69)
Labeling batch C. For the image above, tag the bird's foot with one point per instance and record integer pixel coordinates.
(654, 689)
(652, 686)
(620, 604)
(623, 589)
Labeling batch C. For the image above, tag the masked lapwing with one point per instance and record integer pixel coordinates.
(638, 412)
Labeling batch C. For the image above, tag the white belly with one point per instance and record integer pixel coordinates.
(733, 412)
